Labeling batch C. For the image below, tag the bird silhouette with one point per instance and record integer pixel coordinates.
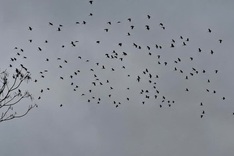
(147, 27)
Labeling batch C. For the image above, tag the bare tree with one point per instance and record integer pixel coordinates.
(11, 95)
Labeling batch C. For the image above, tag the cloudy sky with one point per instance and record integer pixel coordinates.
(86, 128)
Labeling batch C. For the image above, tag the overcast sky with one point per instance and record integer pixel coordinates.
(86, 128)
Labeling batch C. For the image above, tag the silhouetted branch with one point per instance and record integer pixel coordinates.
(12, 96)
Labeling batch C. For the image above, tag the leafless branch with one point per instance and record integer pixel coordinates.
(12, 96)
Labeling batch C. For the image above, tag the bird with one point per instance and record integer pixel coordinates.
(147, 27)
(209, 30)
(124, 53)
(73, 44)
(138, 78)
(220, 41)
(106, 30)
(94, 83)
(30, 28)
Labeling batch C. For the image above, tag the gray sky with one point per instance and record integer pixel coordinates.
(82, 128)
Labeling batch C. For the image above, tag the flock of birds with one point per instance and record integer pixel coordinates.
(103, 76)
